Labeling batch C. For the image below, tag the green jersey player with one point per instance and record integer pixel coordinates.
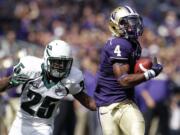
(44, 83)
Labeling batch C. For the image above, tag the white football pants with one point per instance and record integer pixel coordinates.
(123, 118)
(26, 127)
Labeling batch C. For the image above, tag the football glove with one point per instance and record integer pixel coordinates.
(154, 71)
(17, 79)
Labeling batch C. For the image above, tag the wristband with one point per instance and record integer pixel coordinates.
(149, 74)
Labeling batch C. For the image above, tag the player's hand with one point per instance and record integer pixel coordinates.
(154, 71)
(16, 80)
(157, 69)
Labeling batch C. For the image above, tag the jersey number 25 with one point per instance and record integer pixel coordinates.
(45, 110)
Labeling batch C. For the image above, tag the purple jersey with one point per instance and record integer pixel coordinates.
(108, 90)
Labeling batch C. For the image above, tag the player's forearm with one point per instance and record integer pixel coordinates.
(131, 80)
(90, 104)
(4, 83)
(86, 101)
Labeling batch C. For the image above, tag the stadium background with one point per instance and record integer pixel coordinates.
(26, 26)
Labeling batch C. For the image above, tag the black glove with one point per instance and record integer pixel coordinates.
(157, 69)
(17, 79)
(154, 71)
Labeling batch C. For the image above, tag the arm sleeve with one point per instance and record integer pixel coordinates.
(77, 84)
(28, 65)
(23, 66)
(77, 87)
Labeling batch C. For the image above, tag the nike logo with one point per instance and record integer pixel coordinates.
(102, 113)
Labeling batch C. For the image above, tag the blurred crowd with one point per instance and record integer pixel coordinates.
(26, 26)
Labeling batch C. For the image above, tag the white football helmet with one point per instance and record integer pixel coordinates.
(58, 59)
(125, 22)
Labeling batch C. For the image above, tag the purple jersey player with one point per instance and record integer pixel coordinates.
(114, 91)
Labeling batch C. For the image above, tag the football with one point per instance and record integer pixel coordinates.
(142, 65)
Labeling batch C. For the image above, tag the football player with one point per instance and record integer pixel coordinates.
(114, 92)
(45, 82)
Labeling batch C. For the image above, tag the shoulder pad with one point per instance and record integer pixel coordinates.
(122, 41)
(75, 75)
(74, 82)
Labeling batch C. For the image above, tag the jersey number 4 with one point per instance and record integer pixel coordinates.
(45, 110)
(117, 50)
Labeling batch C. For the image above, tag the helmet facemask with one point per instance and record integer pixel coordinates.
(131, 26)
(59, 67)
(58, 59)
